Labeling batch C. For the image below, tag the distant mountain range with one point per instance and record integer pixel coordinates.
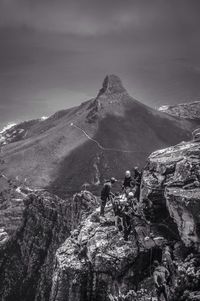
(184, 110)
(87, 144)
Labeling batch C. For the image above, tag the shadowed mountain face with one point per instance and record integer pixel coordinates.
(101, 137)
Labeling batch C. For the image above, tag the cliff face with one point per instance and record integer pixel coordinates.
(26, 261)
(172, 178)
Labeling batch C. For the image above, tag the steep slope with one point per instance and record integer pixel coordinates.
(99, 138)
(184, 110)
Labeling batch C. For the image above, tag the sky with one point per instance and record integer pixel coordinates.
(55, 54)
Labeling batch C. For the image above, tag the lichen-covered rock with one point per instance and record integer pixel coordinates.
(171, 181)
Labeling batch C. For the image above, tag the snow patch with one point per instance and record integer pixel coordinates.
(163, 108)
(43, 118)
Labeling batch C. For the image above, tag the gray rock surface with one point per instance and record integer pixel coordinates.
(172, 178)
(96, 261)
(26, 263)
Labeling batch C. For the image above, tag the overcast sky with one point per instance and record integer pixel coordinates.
(55, 53)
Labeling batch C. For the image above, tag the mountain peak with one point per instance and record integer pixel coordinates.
(112, 84)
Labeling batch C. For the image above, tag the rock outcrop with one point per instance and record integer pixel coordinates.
(171, 179)
(185, 110)
(26, 262)
(96, 261)
(12, 193)
(112, 84)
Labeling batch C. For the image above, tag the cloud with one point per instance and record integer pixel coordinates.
(55, 53)
(94, 17)
(76, 17)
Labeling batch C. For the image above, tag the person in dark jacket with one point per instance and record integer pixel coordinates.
(127, 216)
(137, 181)
(136, 174)
(118, 212)
(106, 193)
(128, 181)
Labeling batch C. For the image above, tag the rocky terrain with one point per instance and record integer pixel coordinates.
(65, 251)
(12, 193)
(174, 173)
(26, 259)
(101, 137)
(184, 110)
(16, 132)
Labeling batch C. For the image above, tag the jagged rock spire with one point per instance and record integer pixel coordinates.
(112, 84)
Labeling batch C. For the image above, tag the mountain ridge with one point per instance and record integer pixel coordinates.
(53, 152)
(189, 110)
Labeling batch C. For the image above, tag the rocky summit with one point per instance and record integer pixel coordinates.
(89, 143)
(112, 84)
(64, 250)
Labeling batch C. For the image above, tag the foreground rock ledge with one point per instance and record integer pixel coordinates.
(97, 261)
(171, 179)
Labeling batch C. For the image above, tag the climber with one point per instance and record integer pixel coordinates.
(128, 181)
(148, 208)
(132, 201)
(137, 173)
(127, 213)
(194, 184)
(117, 208)
(168, 262)
(137, 181)
(161, 276)
(140, 226)
(106, 193)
